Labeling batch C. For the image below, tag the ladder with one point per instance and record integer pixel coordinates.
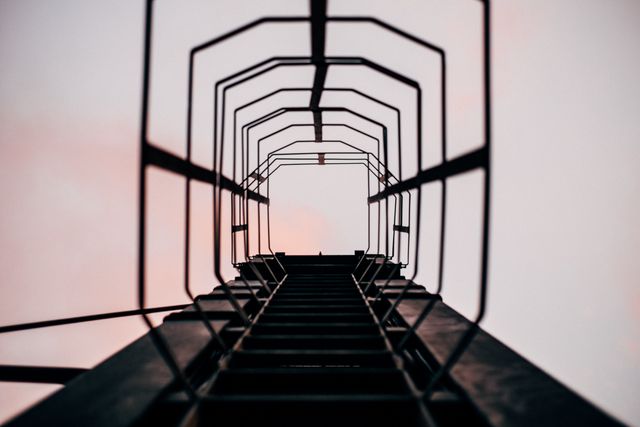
(315, 352)
(315, 355)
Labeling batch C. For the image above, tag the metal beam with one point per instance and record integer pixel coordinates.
(167, 161)
(465, 163)
(39, 374)
(318, 38)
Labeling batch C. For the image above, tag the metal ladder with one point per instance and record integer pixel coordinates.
(314, 355)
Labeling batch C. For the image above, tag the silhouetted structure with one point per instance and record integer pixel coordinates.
(310, 340)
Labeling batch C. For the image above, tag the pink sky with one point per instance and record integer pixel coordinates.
(565, 238)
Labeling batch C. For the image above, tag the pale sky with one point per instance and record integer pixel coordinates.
(563, 279)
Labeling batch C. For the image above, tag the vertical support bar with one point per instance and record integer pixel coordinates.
(187, 210)
(470, 333)
(318, 30)
(158, 340)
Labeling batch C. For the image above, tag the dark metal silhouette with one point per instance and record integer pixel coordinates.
(323, 338)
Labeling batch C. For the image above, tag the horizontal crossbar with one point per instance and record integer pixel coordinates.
(39, 374)
(401, 228)
(240, 227)
(465, 163)
(163, 159)
(88, 318)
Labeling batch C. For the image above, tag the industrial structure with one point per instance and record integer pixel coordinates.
(310, 340)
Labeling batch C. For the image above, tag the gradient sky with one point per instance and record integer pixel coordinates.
(566, 187)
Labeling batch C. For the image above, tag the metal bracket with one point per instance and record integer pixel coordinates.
(401, 228)
(240, 227)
